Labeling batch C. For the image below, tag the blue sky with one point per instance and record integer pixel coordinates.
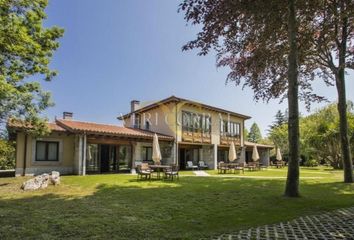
(115, 51)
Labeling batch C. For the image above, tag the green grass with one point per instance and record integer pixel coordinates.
(117, 206)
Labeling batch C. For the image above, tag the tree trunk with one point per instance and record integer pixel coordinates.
(342, 103)
(292, 182)
(343, 125)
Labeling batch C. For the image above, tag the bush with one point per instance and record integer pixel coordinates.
(7, 155)
(311, 163)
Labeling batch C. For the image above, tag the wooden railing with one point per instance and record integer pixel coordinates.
(226, 140)
(196, 137)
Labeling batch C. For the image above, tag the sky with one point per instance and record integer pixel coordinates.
(115, 51)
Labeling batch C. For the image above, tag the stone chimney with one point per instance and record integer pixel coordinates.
(134, 105)
(68, 115)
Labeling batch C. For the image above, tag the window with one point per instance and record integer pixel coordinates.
(92, 161)
(147, 125)
(231, 129)
(147, 154)
(125, 159)
(47, 151)
(193, 122)
(187, 121)
(136, 120)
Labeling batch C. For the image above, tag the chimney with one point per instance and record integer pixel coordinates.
(67, 115)
(134, 105)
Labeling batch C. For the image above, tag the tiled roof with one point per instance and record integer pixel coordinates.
(97, 128)
(55, 127)
(251, 144)
(93, 128)
(19, 124)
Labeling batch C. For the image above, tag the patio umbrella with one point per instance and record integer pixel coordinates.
(232, 152)
(279, 157)
(156, 153)
(255, 155)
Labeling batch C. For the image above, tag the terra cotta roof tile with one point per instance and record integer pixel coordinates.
(98, 128)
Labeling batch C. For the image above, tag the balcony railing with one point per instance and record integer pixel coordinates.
(226, 140)
(196, 137)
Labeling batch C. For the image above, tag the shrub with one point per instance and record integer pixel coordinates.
(7, 155)
(311, 163)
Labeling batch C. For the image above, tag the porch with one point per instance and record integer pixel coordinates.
(97, 154)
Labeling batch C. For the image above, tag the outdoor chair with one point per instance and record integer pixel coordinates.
(252, 166)
(263, 167)
(191, 166)
(143, 172)
(223, 167)
(240, 167)
(203, 165)
(279, 164)
(171, 172)
(145, 167)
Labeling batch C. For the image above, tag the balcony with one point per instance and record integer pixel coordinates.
(226, 140)
(196, 137)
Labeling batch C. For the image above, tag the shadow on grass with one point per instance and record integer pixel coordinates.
(186, 209)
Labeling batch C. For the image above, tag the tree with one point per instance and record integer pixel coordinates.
(280, 119)
(321, 135)
(255, 134)
(292, 181)
(258, 42)
(7, 155)
(279, 137)
(26, 48)
(245, 133)
(331, 52)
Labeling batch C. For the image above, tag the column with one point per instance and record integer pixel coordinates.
(84, 142)
(215, 156)
(78, 154)
(175, 150)
(243, 155)
(133, 157)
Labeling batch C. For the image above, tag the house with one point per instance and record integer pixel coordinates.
(187, 131)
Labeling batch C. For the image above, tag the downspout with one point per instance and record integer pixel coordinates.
(25, 157)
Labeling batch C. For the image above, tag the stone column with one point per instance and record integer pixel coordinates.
(175, 150)
(84, 149)
(78, 154)
(265, 157)
(135, 155)
(215, 148)
(243, 155)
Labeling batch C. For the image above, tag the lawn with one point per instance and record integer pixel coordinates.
(117, 206)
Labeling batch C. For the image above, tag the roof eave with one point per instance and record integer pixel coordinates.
(173, 98)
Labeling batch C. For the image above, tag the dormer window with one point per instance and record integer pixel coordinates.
(136, 121)
(147, 125)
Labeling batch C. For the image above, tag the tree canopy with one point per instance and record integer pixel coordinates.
(320, 135)
(254, 134)
(26, 49)
(280, 119)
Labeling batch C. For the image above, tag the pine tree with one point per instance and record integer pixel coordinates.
(280, 119)
(255, 134)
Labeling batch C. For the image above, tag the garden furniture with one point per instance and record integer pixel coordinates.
(191, 166)
(203, 165)
(171, 172)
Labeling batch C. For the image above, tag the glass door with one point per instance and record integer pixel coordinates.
(125, 158)
(92, 158)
